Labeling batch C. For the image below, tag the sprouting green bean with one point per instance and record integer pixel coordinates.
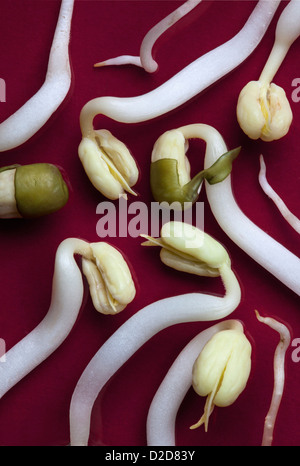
(165, 184)
(31, 191)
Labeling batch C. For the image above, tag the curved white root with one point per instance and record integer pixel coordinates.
(189, 82)
(279, 376)
(145, 60)
(32, 116)
(264, 249)
(67, 295)
(66, 302)
(293, 221)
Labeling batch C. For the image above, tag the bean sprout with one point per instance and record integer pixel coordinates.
(269, 191)
(279, 376)
(287, 31)
(170, 170)
(66, 301)
(264, 249)
(189, 82)
(149, 321)
(32, 116)
(163, 410)
(263, 110)
(145, 60)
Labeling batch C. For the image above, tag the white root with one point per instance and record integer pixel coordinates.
(292, 220)
(67, 295)
(33, 115)
(145, 60)
(189, 82)
(287, 32)
(279, 376)
(264, 249)
(263, 109)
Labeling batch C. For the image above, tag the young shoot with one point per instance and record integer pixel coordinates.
(185, 248)
(279, 376)
(263, 110)
(111, 286)
(264, 249)
(170, 179)
(293, 221)
(161, 419)
(33, 115)
(145, 59)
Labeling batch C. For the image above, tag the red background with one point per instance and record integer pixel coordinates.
(35, 412)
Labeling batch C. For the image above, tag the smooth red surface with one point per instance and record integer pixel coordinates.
(35, 412)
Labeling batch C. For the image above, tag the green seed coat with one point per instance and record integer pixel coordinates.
(39, 189)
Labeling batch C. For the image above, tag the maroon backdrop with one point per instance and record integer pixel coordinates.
(35, 412)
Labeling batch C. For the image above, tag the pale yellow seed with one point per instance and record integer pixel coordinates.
(194, 242)
(263, 111)
(225, 362)
(172, 145)
(108, 164)
(111, 285)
